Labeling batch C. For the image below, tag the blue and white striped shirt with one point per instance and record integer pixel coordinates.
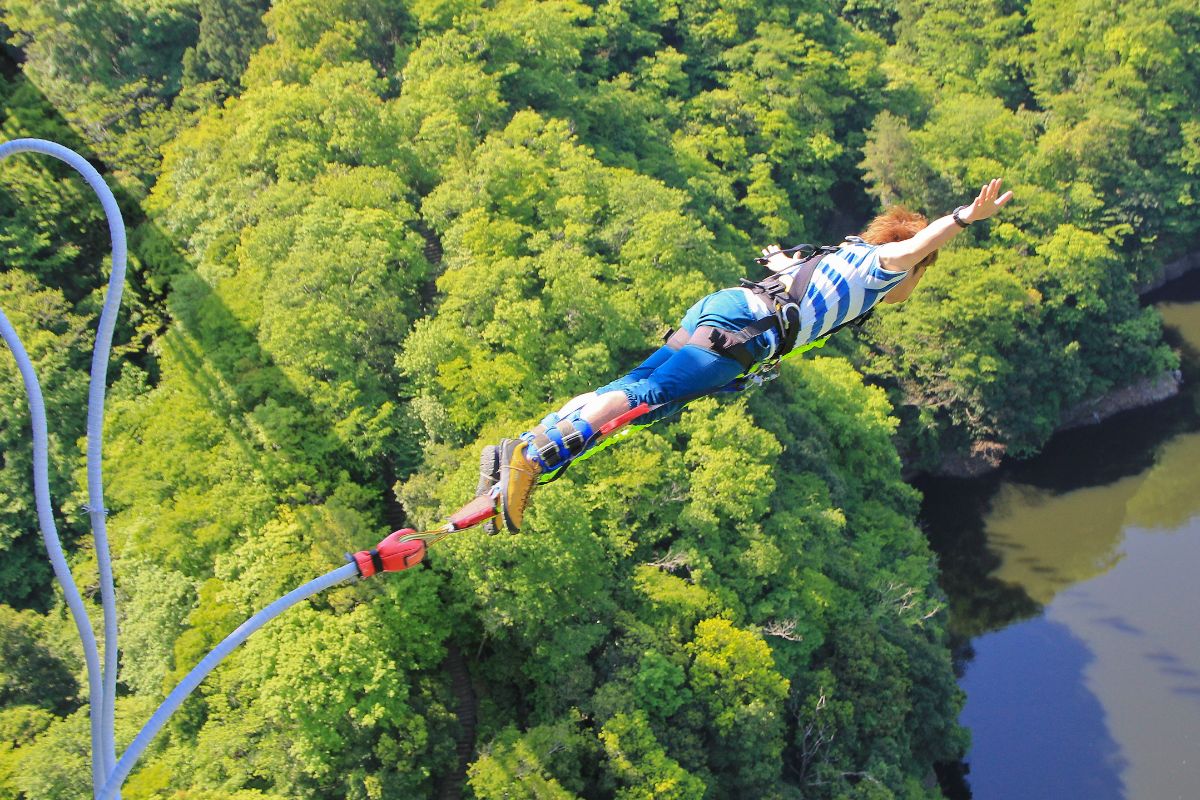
(845, 285)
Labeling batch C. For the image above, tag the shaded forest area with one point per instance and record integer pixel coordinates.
(369, 236)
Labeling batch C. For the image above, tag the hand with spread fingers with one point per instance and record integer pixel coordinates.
(987, 203)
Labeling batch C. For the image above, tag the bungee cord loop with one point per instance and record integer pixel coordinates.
(198, 673)
(398, 551)
(102, 684)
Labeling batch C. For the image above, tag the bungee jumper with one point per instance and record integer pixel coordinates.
(726, 341)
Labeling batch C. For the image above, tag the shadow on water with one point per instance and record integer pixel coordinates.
(953, 514)
(1184, 289)
(1170, 665)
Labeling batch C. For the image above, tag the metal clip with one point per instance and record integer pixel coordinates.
(767, 371)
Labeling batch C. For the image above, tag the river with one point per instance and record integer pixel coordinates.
(1074, 589)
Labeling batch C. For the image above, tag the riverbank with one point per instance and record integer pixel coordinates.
(987, 456)
(1176, 269)
(1140, 394)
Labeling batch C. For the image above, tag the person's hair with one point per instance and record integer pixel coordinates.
(895, 225)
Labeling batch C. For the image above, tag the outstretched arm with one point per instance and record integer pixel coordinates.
(904, 288)
(903, 256)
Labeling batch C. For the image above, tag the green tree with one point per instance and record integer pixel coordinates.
(537, 48)
(642, 767)
(58, 762)
(979, 49)
(448, 102)
(110, 68)
(56, 340)
(733, 676)
(19, 725)
(1064, 216)
(1122, 89)
(155, 602)
(540, 763)
(230, 31)
(32, 675)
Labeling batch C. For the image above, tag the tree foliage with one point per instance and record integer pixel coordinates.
(1057, 98)
(379, 234)
(56, 341)
(32, 674)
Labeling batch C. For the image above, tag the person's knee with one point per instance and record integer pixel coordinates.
(648, 391)
(576, 403)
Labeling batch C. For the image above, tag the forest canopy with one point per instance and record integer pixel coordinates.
(370, 236)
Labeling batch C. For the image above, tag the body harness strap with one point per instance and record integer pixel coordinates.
(785, 301)
(723, 342)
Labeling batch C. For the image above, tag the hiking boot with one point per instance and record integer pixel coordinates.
(518, 476)
(489, 476)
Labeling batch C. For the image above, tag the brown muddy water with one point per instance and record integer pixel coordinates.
(1074, 588)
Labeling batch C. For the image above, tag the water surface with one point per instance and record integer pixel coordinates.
(1074, 585)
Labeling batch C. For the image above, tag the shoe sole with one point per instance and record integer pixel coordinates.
(505, 470)
(489, 476)
(489, 469)
(502, 516)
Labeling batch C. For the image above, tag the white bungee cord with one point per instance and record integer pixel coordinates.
(102, 685)
(108, 774)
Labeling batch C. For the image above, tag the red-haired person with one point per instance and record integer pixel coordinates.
(729, 331)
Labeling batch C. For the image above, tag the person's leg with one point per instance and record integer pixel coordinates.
(604, 408)
(605, 403)
(672, 378)
(691, 372)
(595, 407)
(575, 403)
(664, 382)
(608, 408)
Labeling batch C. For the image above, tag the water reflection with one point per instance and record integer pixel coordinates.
(1048, 541)
(1072, 596)
(1046, 733)
(953, 516)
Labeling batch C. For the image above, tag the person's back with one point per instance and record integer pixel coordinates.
(845, 285)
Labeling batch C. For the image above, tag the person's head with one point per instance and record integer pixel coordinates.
(895, 225)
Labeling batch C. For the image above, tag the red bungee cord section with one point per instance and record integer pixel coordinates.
(406, 547)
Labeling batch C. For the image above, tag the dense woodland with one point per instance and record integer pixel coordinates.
(369, 236)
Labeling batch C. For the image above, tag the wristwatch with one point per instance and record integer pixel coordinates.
(957, 221)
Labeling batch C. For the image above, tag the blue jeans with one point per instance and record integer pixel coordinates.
(668, 378)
